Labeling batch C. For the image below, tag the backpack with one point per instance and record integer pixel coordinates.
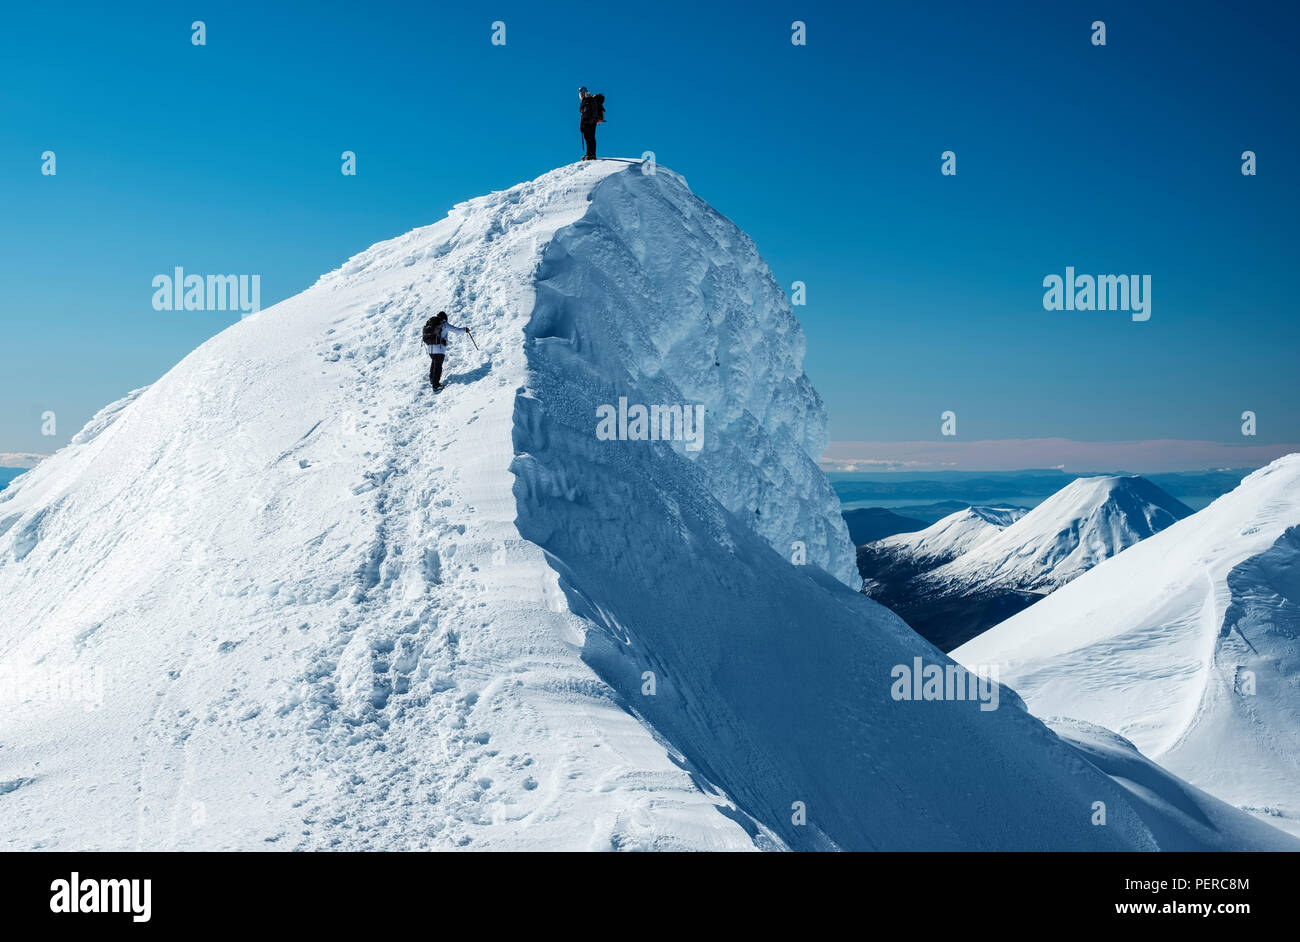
(434, 335)
(600, 108)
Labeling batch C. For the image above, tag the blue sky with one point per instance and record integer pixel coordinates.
(924, 291)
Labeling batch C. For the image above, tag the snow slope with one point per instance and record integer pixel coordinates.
(285, 597)
(948, 538)
(1161, 643)
(300, 577)
(1181, 816)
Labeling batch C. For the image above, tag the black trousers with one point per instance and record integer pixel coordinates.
(589, 135)
(435, 368)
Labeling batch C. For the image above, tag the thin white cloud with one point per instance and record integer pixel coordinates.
(20, 459)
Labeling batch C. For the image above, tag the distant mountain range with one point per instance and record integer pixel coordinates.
(873, 523)
(978, 566)
(993, 487)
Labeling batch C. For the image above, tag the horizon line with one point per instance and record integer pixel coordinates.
(1148, 456)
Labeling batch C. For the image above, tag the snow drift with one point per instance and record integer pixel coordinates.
(1186, 644)
(287, 598)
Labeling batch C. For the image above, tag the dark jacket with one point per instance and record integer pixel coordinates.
(588, 110)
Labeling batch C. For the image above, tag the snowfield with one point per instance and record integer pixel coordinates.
(1185, 644)
(286, 598)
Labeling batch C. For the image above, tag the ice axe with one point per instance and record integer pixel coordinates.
(472, 340)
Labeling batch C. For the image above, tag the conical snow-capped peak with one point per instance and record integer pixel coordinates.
(1087, 521)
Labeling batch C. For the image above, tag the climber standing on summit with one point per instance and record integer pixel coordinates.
(591, 112)
(436, 330)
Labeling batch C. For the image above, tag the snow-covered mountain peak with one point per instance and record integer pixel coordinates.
(288, 597)
(1087, 521)
(948, 538)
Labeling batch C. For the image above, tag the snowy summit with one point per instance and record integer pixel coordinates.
(286, 597)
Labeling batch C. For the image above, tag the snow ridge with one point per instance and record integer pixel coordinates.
(692, 612)
(946, 539)
(331, 610)
(300, 577)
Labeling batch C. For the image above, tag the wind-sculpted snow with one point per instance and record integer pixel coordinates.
(286, 598)
(772, 679)
(664, 298)
(1186, 644)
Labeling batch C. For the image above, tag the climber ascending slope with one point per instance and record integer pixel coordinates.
(435, 334)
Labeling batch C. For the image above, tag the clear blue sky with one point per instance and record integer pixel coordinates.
(924, 291)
